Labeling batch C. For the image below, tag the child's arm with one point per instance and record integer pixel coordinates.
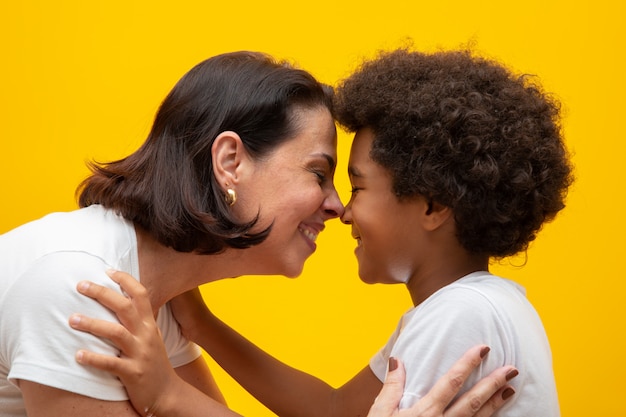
(283, 389)
(145, 370)
(288, 391)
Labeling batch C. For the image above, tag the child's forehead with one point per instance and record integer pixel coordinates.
(362, 143)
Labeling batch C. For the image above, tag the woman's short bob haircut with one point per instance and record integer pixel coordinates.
(167, 186)
(467, 133)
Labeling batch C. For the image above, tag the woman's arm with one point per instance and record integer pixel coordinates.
(150, 381)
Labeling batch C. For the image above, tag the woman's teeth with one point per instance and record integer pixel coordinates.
(309, 234)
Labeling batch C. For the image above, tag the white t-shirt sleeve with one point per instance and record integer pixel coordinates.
(179, 349)
(43, 344)
(432, 336)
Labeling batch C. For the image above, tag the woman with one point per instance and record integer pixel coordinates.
(198, 201)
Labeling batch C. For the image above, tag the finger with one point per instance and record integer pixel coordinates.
(486, 396)
(122, 306)
(106, 363)
(130, 307)
(448, 386)
(501, 397)
(386, 404)
(133, 289)
(115, 332)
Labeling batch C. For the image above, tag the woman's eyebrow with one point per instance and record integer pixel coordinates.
(332, 164)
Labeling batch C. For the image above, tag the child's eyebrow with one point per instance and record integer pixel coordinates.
(353, 172)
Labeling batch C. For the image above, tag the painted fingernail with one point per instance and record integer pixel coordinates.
(79, 356)
(507, 393)
(484, 351)
(393, 364)
(83, 286)
(512, 374)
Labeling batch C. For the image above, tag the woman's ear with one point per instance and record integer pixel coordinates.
(435, 215)
(227, 154)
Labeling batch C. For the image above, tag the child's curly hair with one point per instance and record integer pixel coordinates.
(463, 131)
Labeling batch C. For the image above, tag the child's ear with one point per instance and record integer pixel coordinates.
(228, 153)
(435, 215)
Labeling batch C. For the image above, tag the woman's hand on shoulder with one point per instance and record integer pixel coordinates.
(482, 400)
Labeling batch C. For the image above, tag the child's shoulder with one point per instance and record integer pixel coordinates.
(476, 293)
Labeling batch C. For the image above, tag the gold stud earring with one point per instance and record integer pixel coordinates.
(230, 197)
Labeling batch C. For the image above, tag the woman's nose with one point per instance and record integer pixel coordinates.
(333, 206)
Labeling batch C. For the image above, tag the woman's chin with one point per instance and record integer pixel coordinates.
(293, 271)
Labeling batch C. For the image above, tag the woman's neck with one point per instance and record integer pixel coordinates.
(167, 273)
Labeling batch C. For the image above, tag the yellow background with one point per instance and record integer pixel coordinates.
(82, 80)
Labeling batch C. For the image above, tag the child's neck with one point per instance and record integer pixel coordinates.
(427, 281)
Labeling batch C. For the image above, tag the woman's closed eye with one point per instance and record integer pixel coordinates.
(321, 175)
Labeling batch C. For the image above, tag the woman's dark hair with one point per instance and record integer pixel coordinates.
(167, 186)
(465, 132)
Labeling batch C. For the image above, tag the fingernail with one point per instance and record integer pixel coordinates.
(484, 351)
(83, 286)
(79, 357)
(393, 364)
(507, 393)
(74, 319)
(110, 272)
(512, 374)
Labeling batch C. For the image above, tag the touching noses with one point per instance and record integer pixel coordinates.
(346, 217)
(332, 206)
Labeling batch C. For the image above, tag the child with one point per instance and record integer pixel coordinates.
(455, 162)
